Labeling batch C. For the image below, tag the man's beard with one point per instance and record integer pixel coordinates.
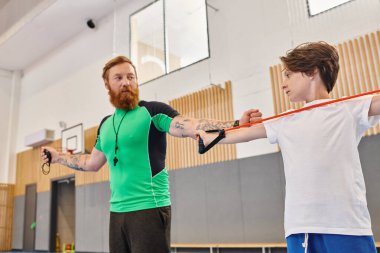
(126, 99)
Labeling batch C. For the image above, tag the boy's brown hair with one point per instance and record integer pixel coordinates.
(308, 56)
(116, 61)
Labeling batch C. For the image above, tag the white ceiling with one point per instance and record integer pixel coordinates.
(44, 26)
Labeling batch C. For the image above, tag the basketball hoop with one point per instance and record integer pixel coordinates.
(72, 141)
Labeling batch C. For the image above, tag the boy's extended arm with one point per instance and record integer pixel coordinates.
(236, 136)
(375, 106)
(245, 134)
(81, 162)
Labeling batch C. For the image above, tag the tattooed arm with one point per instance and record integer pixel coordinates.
(186, 127)
(82, 162)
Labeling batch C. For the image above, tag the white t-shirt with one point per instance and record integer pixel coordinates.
(325, 189)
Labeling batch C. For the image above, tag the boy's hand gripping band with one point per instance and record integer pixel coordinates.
(201, 146)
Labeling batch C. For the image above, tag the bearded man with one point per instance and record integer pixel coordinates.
(133, 142)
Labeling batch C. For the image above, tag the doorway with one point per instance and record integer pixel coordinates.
(62, 221)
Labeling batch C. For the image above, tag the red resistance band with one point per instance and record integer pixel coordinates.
(303, 109)
(203, 149)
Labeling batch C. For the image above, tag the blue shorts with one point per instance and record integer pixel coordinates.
(330, 243)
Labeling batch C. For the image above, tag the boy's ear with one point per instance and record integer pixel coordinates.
(316, 70)
(314, 73)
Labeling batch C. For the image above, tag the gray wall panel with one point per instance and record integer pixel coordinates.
(189, 206)
(80, 226)
(105, 209)
(43, 220)
(18, 222)
(174, 222)
(92, 213)
(224, 203)
(263, 187)
(369, 149)
(231, 202)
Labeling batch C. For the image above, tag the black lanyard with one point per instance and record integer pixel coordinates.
(115, 160)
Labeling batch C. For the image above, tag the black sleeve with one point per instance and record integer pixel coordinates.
(155, 107)
(100, 125)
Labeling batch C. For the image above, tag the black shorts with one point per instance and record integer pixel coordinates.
(141, 231)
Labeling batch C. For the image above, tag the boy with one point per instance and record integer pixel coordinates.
(325, 206)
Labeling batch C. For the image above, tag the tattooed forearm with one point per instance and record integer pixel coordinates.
(206, 124)
(76, 162)
(179, 125)
(187, 127)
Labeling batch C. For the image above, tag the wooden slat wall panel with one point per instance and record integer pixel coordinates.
(211, 103)
(26, 172)
(375, 44)
(359, 72)
(29, 168)
(6, 216)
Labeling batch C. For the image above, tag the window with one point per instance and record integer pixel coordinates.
(318, 6)
(168, 35)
